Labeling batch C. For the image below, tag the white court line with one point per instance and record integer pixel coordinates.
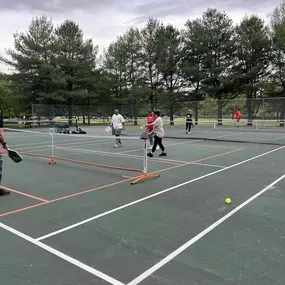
(244, 131)
(222, 136)
(182, 248)
(40, 143)
(256, 132)
(186, 142)
(206, 164)
(62, 255)
(155, 194)
(78, 143)
(118, 154)
(60, 141)
(40, 147)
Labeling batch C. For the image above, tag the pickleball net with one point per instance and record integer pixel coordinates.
(87, 150)
(264, 132)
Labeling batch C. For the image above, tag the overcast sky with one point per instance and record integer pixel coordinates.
(103, 20)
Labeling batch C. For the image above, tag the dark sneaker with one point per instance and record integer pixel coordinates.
(4, 192)
(150, 154)
(163, 154)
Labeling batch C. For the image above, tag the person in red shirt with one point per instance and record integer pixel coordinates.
(238, 115)
(150, 119)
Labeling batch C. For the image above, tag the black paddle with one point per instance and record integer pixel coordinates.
(14, 155)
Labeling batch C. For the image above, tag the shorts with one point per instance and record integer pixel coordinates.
(150, 136)
(116, 132)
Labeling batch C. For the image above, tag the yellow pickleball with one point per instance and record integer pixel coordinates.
(228, 201)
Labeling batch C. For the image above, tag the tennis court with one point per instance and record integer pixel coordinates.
(82, 222)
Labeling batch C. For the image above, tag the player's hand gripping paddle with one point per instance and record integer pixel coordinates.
(14, 155)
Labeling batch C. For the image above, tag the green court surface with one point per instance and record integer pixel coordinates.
(80, 224)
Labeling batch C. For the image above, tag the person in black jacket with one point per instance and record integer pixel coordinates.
(188, 122)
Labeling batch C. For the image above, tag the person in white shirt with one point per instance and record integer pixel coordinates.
(118, 124)
(158, 134)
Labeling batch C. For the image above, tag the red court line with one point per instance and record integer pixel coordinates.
(199, 160)
(117, 183)
(91, 190)
(217, 155)
(22, 209)
(158, 171)
(25, 194)
(211, 145)
(81, 162)
(65, 197)
(112, 155)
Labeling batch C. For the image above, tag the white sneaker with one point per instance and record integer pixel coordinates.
(116, 145)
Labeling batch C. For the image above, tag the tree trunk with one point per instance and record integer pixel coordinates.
(83, 116)
(196, 109)
(249, 111)
(135, 112)
(69, 104)
(88, 113)
(171, 111)
(282, 113)
(220, 113)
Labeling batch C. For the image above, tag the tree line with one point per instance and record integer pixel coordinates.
(158, 65)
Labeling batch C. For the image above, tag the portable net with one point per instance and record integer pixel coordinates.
(83, 149)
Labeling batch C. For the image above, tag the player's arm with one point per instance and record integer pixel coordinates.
(2, 137)
(154, 123)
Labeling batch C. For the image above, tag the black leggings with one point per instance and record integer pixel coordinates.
(188, 126)
(157, 141)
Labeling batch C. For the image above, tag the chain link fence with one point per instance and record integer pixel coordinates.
(174, 113)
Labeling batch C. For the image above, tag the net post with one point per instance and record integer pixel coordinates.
(145, 158)
(145, 174)
(52, 161)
